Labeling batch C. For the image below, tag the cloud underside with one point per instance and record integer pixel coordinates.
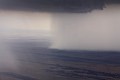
(55, 5)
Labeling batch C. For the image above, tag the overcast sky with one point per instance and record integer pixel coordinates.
(21, 23)
(96, 30)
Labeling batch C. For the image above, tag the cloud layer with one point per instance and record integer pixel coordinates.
(55, 5)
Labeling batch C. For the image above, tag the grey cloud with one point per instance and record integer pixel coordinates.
(55, 5)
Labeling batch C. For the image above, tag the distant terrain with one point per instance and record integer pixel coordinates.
(41, 63)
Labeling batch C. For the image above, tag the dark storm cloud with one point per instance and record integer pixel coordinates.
(55, 5)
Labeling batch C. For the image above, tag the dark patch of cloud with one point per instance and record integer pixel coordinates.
(55, 5)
